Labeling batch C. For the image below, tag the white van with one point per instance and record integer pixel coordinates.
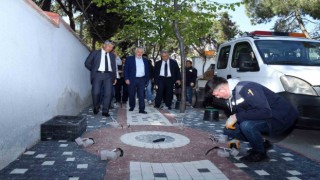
(286, 63)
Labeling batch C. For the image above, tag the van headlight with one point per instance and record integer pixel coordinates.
(297, 86)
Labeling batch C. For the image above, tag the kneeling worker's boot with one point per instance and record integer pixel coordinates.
(267, 146)
(254, 157)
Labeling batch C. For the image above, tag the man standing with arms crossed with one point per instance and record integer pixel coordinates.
(102, 65)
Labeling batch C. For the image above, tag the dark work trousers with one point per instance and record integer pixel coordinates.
(250, 130)
(139, 87)
(121, 90)
(102, 88)
(165, 91)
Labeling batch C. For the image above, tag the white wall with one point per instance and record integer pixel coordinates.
(42, 74)
(198, 62)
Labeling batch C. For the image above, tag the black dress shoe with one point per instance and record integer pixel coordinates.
(105, 114)
(131, 109)
(95, 111)
(143, 112)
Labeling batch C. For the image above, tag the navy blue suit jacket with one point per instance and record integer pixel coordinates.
(92, 63)
(174, 69)
(130, 69)
(252, 101)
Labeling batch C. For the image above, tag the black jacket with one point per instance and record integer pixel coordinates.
(174, 69)
(92, 63)
(191, 75)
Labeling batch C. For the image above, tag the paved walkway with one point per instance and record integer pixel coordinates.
(178, 154)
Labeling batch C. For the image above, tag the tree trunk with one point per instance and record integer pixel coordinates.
(181, 47)
(46, 5)
(301, 24)
(93, 45)
(68, 12)
(204, 64)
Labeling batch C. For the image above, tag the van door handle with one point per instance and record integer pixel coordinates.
(229, 76)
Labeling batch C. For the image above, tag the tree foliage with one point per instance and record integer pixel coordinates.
(291, 15)
(44, 4)
(99, 22)
(222, 29)
(150, 22)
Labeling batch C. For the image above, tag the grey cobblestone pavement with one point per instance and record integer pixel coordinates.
(66, 160)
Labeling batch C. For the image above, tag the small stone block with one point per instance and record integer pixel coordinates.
(70, 159)
(82, 166)
(29, 153)
(19, 171)
(48, 163)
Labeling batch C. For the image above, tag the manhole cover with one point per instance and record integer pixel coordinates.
(155, 139)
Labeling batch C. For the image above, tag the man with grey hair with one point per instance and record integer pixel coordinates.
(166, 74)
(102, 65)
(136, 75)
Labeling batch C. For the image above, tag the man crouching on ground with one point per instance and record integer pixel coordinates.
(256, 110)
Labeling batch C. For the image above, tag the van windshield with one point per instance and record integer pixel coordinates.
(283, 52)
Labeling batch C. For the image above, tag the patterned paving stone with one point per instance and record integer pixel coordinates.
(154, 117)
(282, 164)
(203, 169)
(64, 167)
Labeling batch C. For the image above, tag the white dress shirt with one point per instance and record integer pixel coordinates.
(139, 67)
(118, 60)
(162, 68)
(102, 66)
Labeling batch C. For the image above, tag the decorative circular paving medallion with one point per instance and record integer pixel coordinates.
(155, 139)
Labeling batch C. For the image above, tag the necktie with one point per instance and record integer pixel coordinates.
(106, 60)
(166, 69)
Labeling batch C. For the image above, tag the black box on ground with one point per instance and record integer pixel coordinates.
(63, 128)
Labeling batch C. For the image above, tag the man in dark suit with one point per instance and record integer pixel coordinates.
(166, 74)
(102, 65)
(136, 75)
